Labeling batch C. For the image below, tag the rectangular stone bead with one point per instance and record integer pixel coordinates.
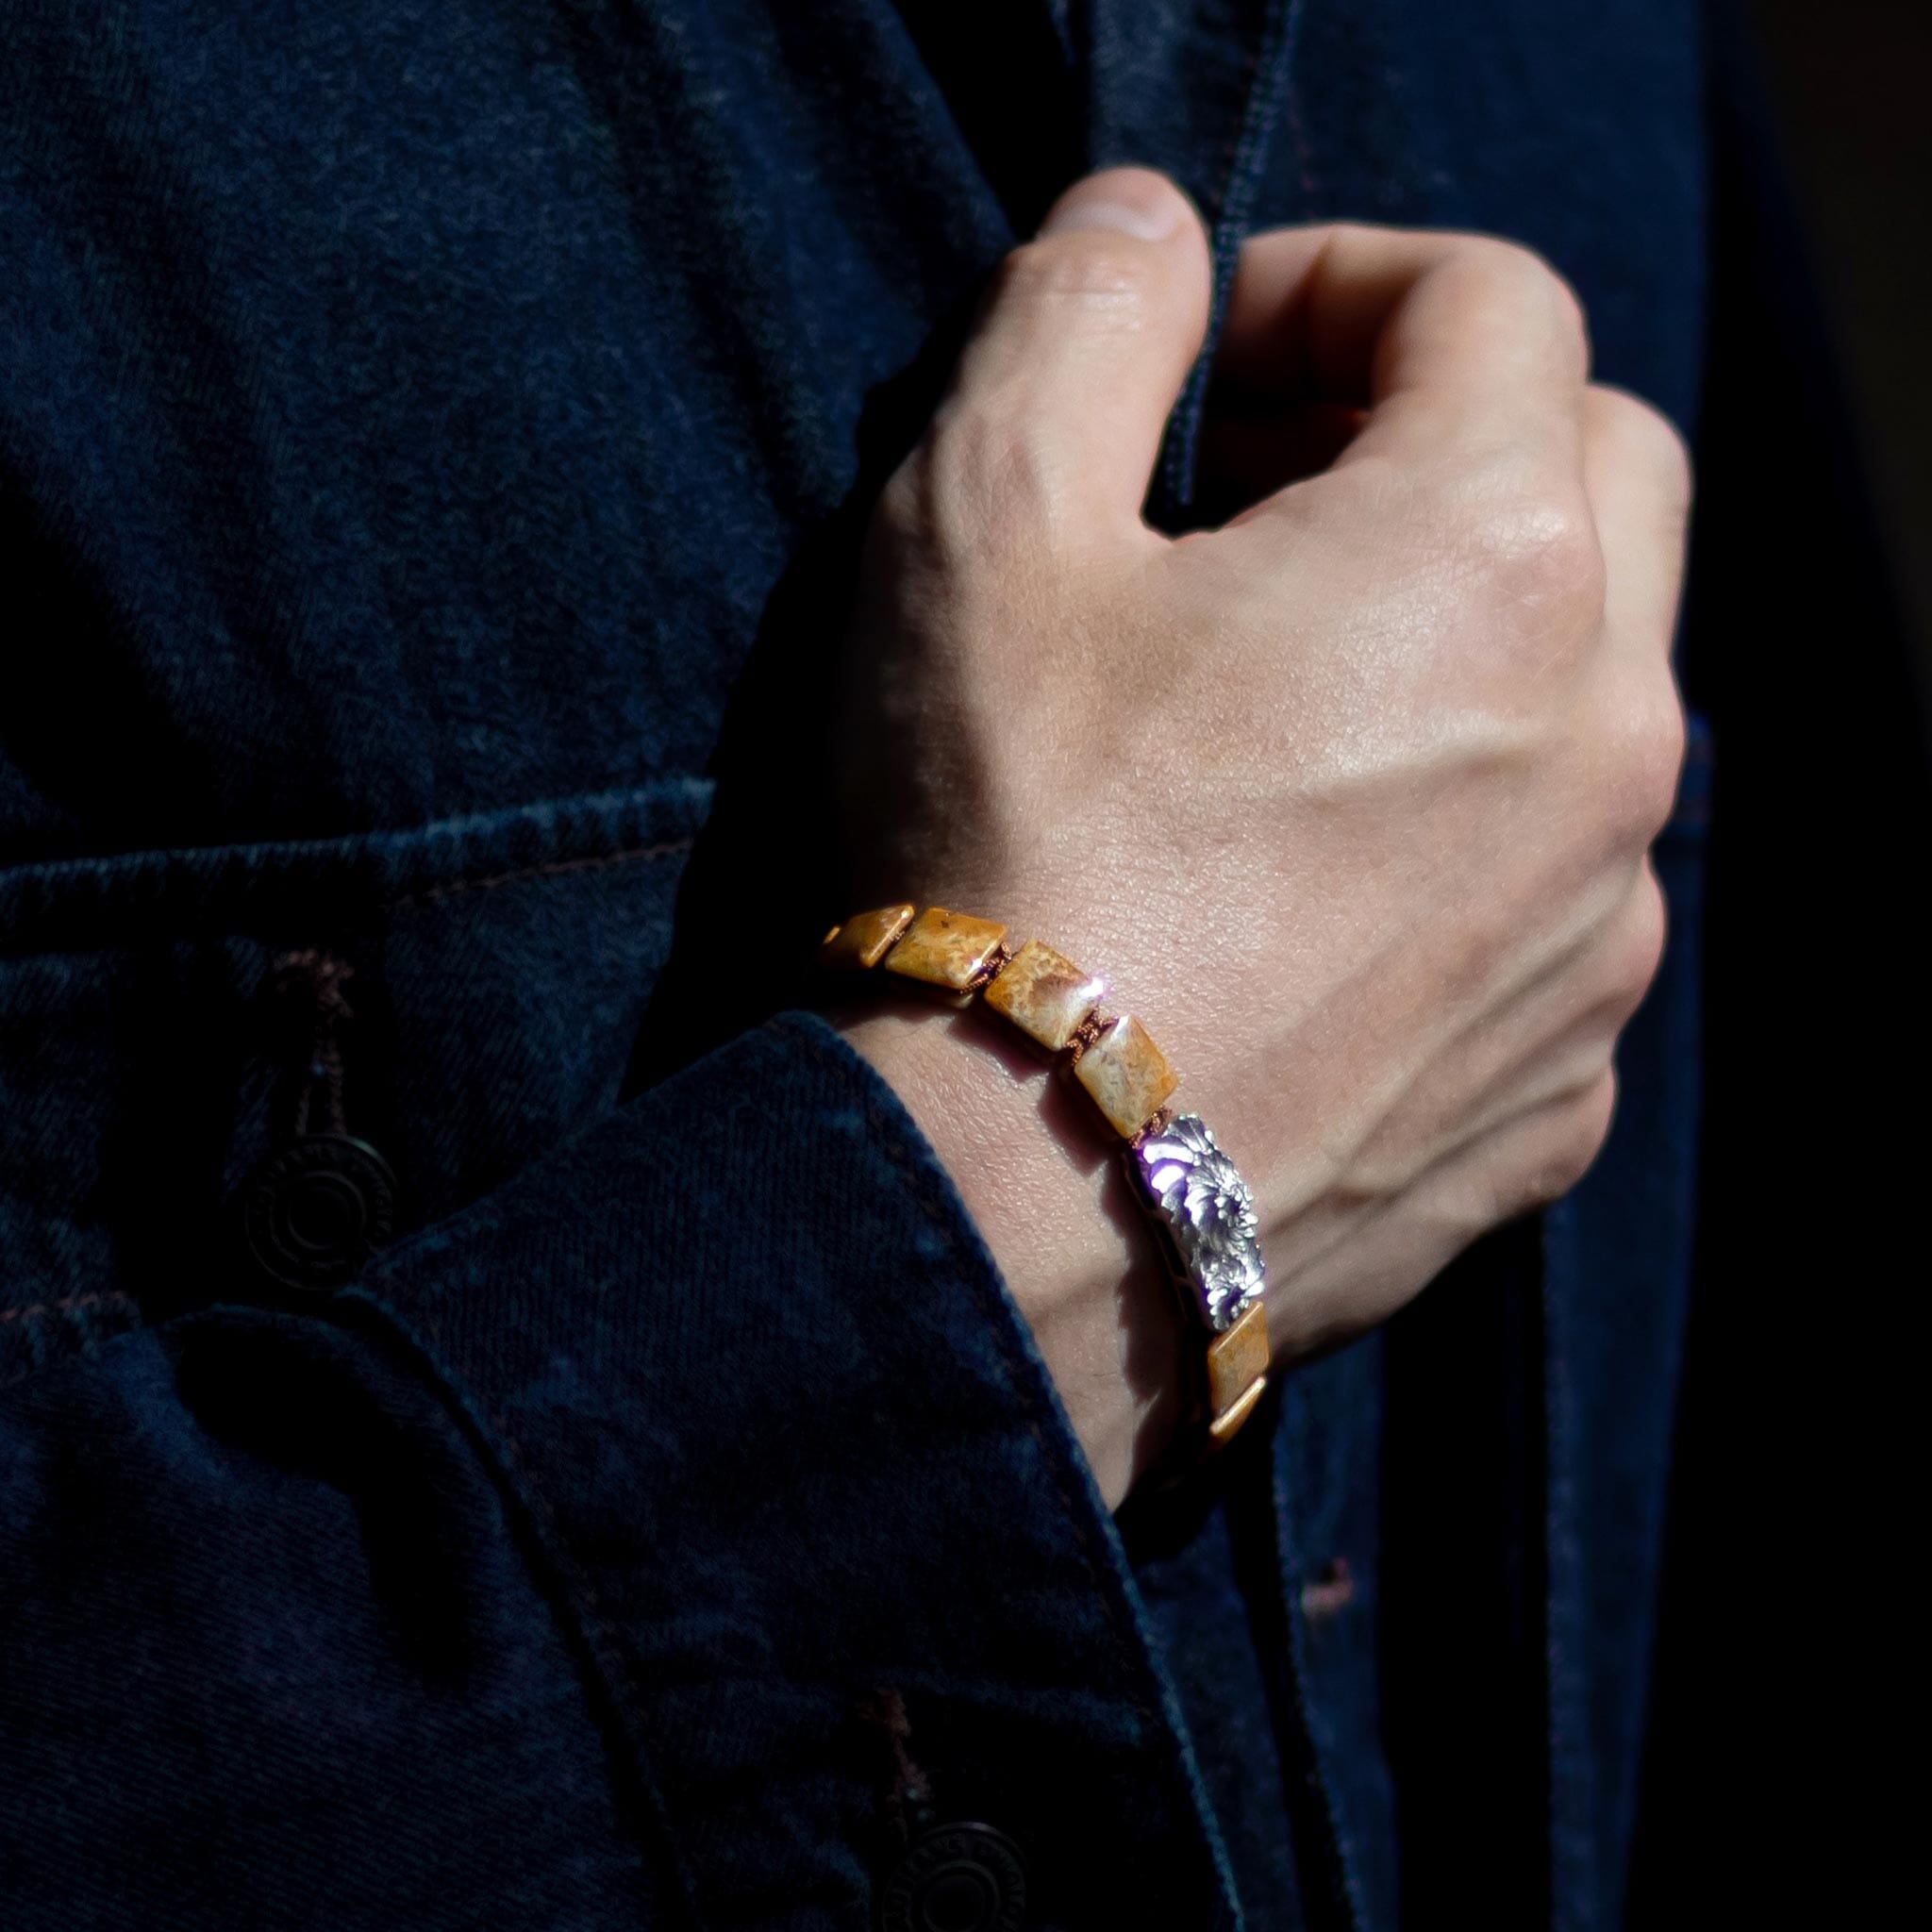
(1044, 995)
(1223, 1428)
(944, 948)
(1127, 1075)
(865, 937)
(1237, 1359)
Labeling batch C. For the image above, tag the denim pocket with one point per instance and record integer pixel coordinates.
(460, 996)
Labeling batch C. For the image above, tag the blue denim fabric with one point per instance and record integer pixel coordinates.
(431, 443)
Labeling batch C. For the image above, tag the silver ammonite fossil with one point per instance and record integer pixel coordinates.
(1208, 1215)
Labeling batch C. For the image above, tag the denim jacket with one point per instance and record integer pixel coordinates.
(432, 443)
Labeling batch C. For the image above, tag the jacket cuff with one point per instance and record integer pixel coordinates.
(753, 1371)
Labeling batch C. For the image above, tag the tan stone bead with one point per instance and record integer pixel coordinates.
(1127, 1075)
(1236, 1359)
(946, 949)
(1044, 995)
(1221, 1430)
(865, 937)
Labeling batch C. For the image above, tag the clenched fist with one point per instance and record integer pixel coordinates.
(1350, 798)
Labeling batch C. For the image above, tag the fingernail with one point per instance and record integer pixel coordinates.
(1150, 213)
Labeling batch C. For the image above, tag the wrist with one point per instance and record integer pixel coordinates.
(1058, 1215)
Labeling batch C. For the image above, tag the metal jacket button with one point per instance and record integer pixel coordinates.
(314, 1212)
(957, 1878)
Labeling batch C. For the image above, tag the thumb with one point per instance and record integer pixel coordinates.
(1085, 339)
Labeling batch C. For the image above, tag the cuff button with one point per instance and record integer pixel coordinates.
(316, 1211)
(957, 1878)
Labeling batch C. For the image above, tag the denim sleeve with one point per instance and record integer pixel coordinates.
(566, 1566)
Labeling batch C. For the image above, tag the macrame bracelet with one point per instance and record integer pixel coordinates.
(1197, 1200)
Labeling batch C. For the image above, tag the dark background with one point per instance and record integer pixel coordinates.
(1784, 1766)
(1851, 85)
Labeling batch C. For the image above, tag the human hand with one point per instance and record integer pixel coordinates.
(1350, 798)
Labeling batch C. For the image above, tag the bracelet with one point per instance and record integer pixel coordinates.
(1195, 1195)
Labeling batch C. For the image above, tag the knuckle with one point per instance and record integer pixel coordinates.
(1526, 284)
(1581, 1126)
(1644, 929)
(1644, 729)
(1645, 439)
(978, 486)
(1587, 1128)
(905, 509)
(922, 517)
(1534, 544)
(1095, 270)
(1563, 556)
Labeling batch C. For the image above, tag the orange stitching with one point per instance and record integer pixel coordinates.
(550, 870)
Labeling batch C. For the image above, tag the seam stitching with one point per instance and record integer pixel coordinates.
(549, 869)
(607, 1641)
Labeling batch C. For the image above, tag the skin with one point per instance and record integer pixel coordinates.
(1350, 798)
